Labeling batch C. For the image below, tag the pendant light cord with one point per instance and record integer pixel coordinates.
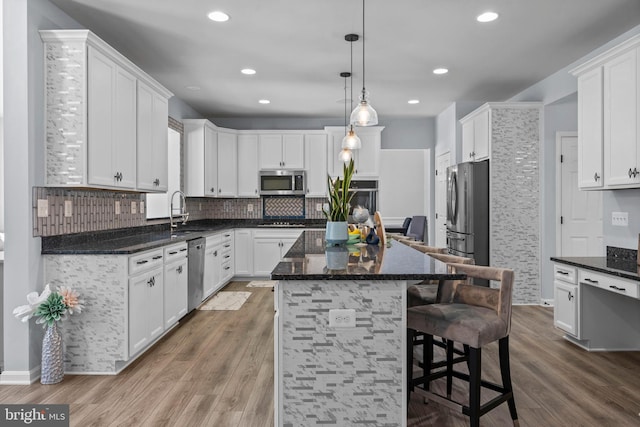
(363, 42)
(350, 81)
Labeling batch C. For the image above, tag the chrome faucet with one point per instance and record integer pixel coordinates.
(183, 204)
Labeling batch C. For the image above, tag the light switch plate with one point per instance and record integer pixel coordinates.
(134, 207)
(620, 219)
(250, 207)
(141, 206)
(117, 207)
(68, 208)
(43, 208)
(318, 207)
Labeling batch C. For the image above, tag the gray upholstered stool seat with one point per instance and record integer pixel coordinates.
(421, 294)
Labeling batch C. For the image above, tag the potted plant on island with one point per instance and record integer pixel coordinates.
(337, 231)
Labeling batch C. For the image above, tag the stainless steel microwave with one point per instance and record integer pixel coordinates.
(282, 182)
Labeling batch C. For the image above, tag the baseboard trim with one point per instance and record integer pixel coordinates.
(20, 377)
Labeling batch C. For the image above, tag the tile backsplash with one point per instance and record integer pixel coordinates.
(95, 210)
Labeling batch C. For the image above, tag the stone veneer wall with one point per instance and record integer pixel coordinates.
(515, 198)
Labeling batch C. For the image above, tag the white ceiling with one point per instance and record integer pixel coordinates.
(298, 49)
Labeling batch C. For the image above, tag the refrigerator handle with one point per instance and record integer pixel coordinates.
(453, 197)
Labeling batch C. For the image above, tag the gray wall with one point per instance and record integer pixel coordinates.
(178, 109)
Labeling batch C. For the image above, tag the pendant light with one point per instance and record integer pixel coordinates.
(350, 140)
(345, 154)
(364, 114)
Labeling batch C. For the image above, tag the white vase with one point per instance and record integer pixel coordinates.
(52, 370)
(337, 233)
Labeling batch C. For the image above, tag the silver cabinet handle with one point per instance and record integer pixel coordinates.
(617, 288)
(173, 252)
(213, 190)
(179, 270)
(630, 172)
(566, 273)
(157, 257)
(570, 296)
(590, 280)
(144, 261)
(596, 177)
(156, 182)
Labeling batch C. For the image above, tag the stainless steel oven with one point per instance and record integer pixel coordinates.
(282, 182)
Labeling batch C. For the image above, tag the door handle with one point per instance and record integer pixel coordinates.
(570, 296)
(596, 177)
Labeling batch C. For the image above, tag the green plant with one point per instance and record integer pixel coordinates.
(339, 195)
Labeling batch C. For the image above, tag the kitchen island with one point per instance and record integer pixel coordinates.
(340, 331)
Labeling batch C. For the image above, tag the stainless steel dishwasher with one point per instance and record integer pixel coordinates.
(195, 275)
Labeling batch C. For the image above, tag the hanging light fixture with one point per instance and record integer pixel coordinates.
(345, 154)
(350, 140)
(364, 114)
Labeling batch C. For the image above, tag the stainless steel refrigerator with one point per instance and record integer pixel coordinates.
(468, 210)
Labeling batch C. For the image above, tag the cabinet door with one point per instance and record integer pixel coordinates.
(367, 158)
(227, 165)
(155, 304)
(293, 151)
(590, 147)
(152, 140)
(266, 255)
(270, 149)
(146, 320)
(211, 271)
(101, 87)
(565, 311)
(124, 142)
(315, 151)
(335, 146)
(468, 136)
(175, 292)
(248, 166)
(210, 162)
(481, 136)
(243, 253)
(620, 121)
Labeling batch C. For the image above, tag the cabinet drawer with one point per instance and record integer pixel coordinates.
(175, 252)
(145, 261)
(564, 273)
(609, 283)
(213, 240)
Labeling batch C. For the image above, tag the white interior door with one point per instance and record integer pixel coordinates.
(442, 163)
(581, 211)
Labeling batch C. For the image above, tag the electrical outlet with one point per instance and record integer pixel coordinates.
(318, 207)
(319, 242)
(141, 206)
(134, 207)
(43, 208)
(117, 207)
(68, 208)
(342, 318)
(250, 207)
(620, 219)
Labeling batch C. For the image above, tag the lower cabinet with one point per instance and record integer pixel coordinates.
(269, 247)
(146, 318)
(175, 284)
(565, 313)
(243, 252)
(218, 262)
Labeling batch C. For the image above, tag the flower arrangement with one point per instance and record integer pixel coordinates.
(339, 195)
(50, 307)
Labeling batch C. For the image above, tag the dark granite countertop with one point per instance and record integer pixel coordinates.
(138, 239)
(310, 259)
(625, 268)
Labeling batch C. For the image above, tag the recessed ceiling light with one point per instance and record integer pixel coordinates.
(193, 87)
(414, 101)
(248, 71)
(487, 17)
(218, 16)
(440, 71)
(264, 101)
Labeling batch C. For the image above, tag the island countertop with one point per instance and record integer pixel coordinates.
(310, 259)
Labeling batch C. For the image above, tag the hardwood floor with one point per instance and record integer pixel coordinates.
(216, 369)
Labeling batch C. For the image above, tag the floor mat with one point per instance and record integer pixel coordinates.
(226, 301)
(261, 284)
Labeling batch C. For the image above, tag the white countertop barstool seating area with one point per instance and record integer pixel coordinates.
(473, 316)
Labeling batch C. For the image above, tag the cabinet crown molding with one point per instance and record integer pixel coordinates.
(495, 105)
(605, 56)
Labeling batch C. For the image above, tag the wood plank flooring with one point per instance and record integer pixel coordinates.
(216, 369)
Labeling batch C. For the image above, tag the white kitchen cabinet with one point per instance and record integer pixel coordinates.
(566, 298)
(152, 149)
(227, 164)
(201, 158)
(366, 159)
(175, 284)
(315, 151)
(112, 118)
(590, 147)
(621, 153)
(146, 295)
(248, 183)
(476, 136)
(269, 247)
(91, 113)
(212, 273)
(281, 150)
(243, 252)
(608, 122)
(227, 260)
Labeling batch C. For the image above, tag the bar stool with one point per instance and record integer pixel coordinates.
(473, 316)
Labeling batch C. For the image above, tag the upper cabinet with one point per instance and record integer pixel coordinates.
(97, 111)
(366, 159)
(315, 151)
(475, 136)
(281, 150)
(227, 164)
(248, 165)
(608, 123)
